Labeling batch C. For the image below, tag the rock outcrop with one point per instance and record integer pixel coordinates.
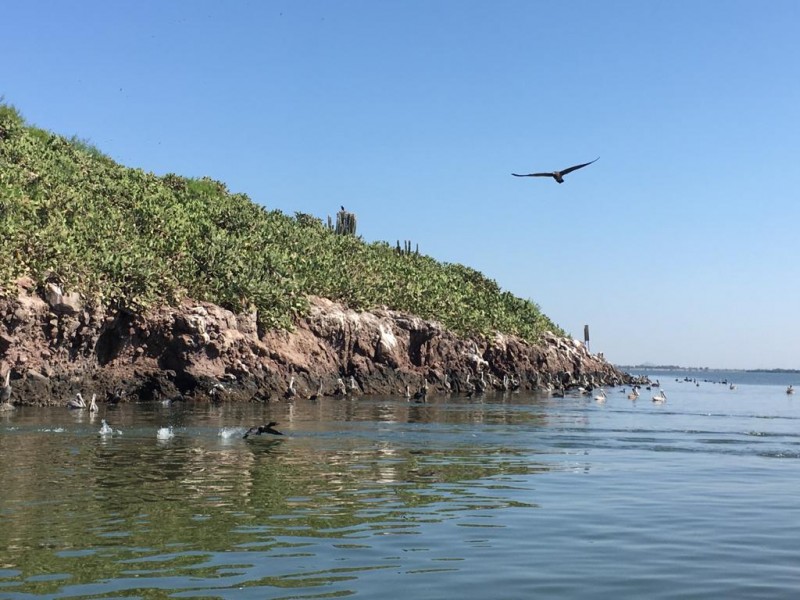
(56, 344)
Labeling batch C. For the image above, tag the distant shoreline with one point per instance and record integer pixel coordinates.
(678, 368)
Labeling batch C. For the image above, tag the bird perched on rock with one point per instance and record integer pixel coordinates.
(557, 175)
(422, 394)
(291, 392)
(268, 428)
(5, 393)
(114, 397)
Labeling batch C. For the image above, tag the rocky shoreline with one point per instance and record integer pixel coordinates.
(57, 345)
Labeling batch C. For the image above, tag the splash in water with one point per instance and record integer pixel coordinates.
(227, 433)
(106, 429)
(165, 433)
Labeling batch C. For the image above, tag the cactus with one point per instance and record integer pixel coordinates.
(406, 249)
(345, 223)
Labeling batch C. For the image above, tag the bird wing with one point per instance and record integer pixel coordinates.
(533, 175)
(576, 167)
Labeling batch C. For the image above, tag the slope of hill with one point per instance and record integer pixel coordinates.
(119, 282)
(123, 237)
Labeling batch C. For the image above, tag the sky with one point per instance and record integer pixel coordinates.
(678, 246)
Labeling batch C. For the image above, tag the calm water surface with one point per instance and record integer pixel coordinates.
(508, 496)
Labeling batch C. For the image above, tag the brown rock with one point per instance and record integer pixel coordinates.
(191, 349)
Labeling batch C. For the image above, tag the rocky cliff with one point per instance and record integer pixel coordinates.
(56, 345)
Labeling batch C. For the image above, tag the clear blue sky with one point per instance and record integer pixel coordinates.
(678, 246)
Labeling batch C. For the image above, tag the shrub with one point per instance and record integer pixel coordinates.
(125, 237)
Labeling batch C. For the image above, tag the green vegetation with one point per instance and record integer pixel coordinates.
(128, 238)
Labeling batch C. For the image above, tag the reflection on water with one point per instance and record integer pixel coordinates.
(488, 498)
(81, 507)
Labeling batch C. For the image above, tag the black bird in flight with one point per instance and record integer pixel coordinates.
(558, 175)
(268, 428)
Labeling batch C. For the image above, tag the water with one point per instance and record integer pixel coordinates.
(511, 496)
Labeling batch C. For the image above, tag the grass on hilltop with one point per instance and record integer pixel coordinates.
(127, 238)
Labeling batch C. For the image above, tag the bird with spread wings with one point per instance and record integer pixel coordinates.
(557, 175)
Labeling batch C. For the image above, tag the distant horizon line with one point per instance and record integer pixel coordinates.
(680, 368)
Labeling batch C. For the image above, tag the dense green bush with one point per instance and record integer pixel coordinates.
(128, 238)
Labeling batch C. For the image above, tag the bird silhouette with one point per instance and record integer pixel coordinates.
(268, 428)
(557, 175)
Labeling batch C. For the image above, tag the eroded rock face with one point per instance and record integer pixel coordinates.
(56, 344)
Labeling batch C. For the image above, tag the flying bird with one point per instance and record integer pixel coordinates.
(557, 175)
(268, 428)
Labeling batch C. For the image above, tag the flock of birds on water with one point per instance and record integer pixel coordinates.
(420, 396)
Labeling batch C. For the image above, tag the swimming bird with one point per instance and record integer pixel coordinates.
(634, 395)
(93, 404)
(76, 402)
(789, 390)
(557, 175)
(268, 428)
(601, 396)
(660, 397)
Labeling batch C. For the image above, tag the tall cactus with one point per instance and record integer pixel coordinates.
(406, 249)
(345, 223)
